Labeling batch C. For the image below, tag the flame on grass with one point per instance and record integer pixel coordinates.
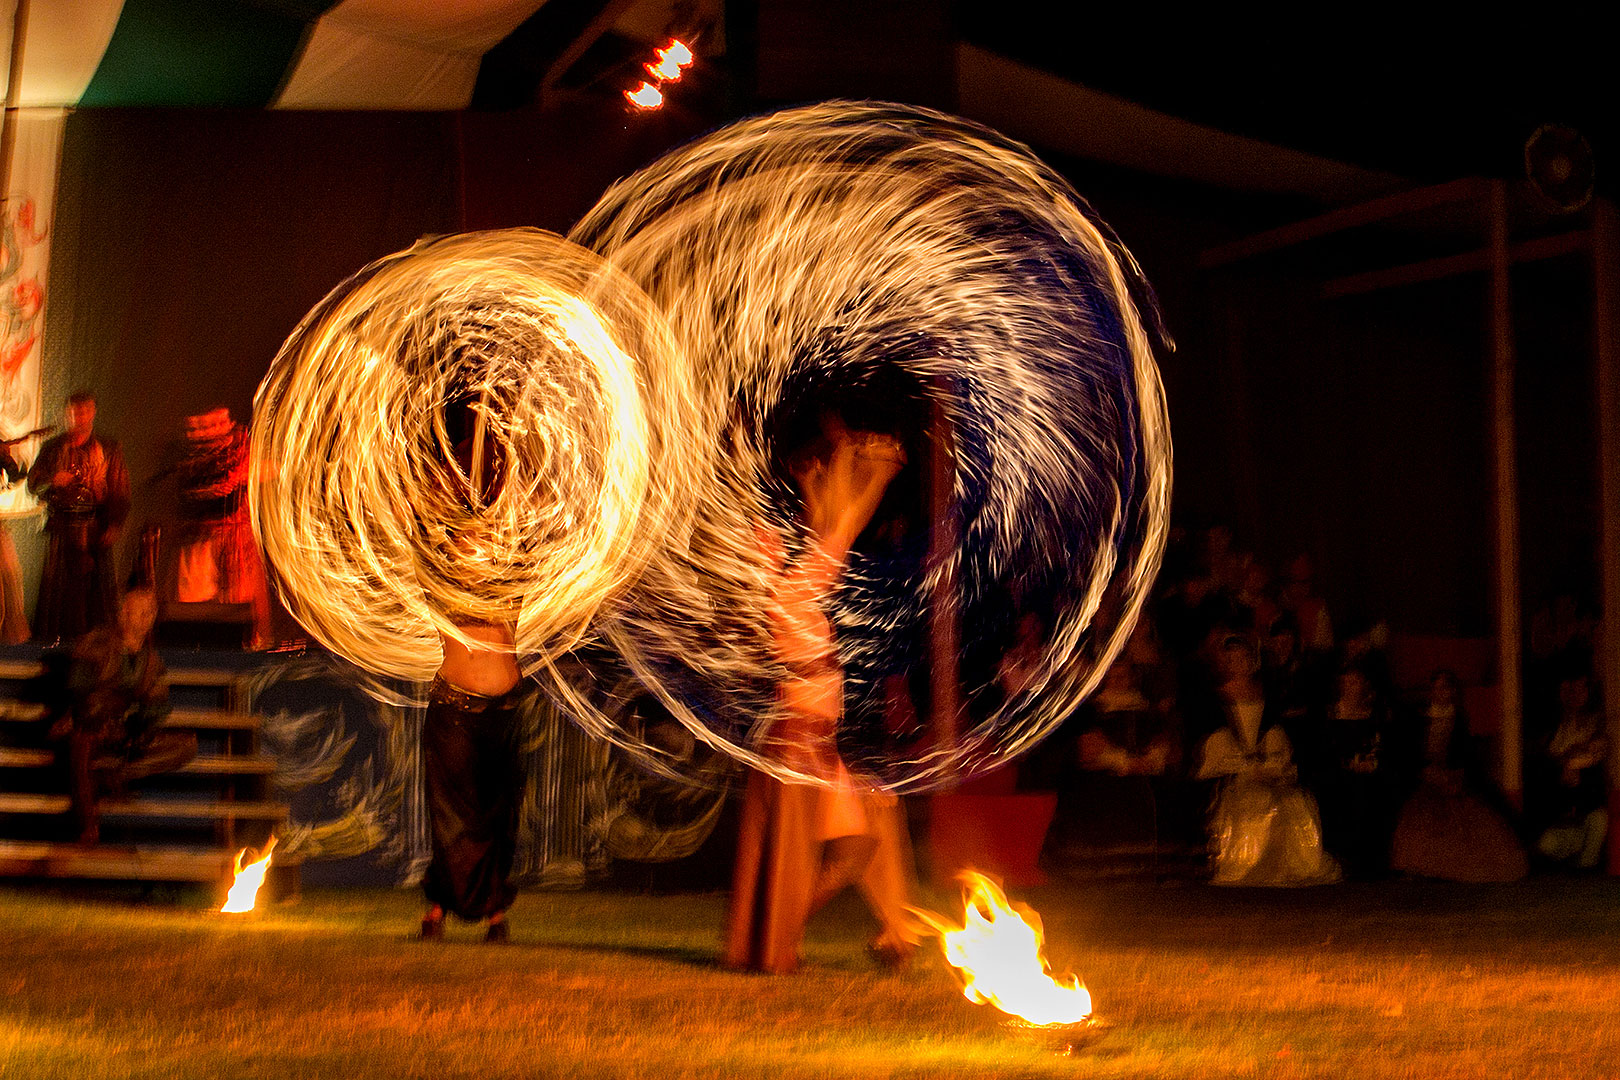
(245, 889)
(997, 952)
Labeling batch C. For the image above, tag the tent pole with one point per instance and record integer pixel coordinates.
(1509, 643)
(1606, 349)
(944, 613)
(8, 131)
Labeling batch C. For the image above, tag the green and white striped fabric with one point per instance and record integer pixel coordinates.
(288, 54)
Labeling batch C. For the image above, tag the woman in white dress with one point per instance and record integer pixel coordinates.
(1264, 828)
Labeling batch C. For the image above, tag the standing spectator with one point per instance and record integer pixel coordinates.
(81, 478)
(218, 558)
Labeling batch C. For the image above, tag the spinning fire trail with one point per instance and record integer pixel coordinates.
(897, 262)
(912, 271)
(577, 388)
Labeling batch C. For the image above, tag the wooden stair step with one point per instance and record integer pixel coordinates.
(202, 765)
(179, 676)
(109, 861)
(187, 719)
(152, 807)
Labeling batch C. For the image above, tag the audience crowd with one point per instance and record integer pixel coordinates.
(1245, 729)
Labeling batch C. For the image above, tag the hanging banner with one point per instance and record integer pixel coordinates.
(25, 249)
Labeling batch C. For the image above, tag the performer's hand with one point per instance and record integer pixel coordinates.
(109, 536)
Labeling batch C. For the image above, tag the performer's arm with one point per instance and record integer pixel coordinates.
(42, 475)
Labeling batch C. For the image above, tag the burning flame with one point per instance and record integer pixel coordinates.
(245, 889)
(671, 60)
(645, 96)
(677, 51)
(997, 951)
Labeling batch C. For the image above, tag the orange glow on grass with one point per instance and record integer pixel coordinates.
(245, 889)
(645, 96)
(997, 953)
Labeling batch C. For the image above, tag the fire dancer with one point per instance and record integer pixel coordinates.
(802, 844)
(469, 757)
(118, 696)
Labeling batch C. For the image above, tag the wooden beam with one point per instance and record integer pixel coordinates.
(944, 612)
(607, 13)
(1505, 486)
(1469, 262)
(1606, 348)
(1346, 217)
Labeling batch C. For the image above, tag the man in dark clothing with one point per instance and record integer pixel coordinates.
(81, 478)
(119, 695)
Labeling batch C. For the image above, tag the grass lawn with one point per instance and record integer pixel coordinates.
(1403, 980)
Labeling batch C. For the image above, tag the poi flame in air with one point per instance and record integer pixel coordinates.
(998, 953)
(249, 878)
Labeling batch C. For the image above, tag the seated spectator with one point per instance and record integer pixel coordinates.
(1298, 596)
(118, 696)
(1577, 784)
(1454, 826)
(1361, 789)
(1295, 688)
(1109, 806)
(1264, 828)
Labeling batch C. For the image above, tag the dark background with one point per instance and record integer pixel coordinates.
(190, 242)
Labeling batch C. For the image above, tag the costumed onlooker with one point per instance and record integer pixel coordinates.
(217, 558)
(118, 695)
(1454, 826)
(1361, 789)
(800, 844)
(81, 478)
(1264, 829)
(1576, 787)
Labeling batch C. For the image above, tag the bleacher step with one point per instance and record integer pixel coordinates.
(151, 807)
(113, 862)
(202, 765)
(185, 719)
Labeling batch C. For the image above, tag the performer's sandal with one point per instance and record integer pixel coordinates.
(433, 925)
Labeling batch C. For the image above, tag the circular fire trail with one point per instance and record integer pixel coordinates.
(922, 276)
(485, 428)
